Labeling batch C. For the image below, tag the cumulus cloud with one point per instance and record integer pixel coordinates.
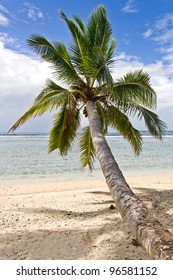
(130, 7)
(21, 80)
(34, 13)
(161, 81)
(22, 77)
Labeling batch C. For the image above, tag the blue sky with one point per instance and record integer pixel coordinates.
(144, 34)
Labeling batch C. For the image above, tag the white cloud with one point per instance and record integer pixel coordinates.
(161, 81)
(34, 13)
(3, 9)
(161, 31)
(168, 54)
(7, 40)
(4, 21)
(21, 80)
(5, 16)
(130, 7)
(22, 77)
(162, 35)
(10, 18)
(164, 22)
(148, 33)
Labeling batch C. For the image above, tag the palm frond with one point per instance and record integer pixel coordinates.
(80, 59)
(97, 67)
(119, 121)
(57, 55)
(64, 128)
(75, 30)
(91, 50)
(109, 56)
(135, 88)
(50, 89)
(99, 30)
(80, 24)
(87, 149)
(79, 44)
(101, 51)
(155, 126)
(47, 100)
(104, 75)
(66, 74)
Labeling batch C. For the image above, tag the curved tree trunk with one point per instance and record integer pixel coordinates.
(157, 241)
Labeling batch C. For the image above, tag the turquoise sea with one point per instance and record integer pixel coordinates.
(26, 157)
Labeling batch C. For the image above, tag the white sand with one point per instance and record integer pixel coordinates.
(72, 220)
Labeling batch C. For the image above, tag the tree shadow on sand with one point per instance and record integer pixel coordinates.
(74, 235)
(161, 204)
(101, 193)
(78, 235)
(66, 244)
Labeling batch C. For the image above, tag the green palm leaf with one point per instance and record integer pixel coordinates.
(155, 126)
(99, 30)
(79, 44)
(134, 87)
(91, 51)
(109, 56)
(101, 50)
(87, 149)
(48, 102)
(50, 89)
(80, 24)
(58, 56)
(64, 128)
(119, 121)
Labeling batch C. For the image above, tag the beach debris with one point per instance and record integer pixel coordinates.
(111, 207)
(135, 242)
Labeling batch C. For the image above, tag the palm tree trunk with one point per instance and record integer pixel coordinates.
(157, 241)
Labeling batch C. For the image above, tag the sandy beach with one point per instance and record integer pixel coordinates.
(73, 220)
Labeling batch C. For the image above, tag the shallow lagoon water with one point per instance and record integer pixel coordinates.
(27, 157)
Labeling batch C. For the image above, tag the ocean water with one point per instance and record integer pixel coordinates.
(26, 157)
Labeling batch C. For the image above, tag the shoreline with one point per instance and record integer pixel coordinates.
(72, 219)
(39, 185)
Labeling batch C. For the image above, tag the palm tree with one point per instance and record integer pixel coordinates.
(85, 70)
